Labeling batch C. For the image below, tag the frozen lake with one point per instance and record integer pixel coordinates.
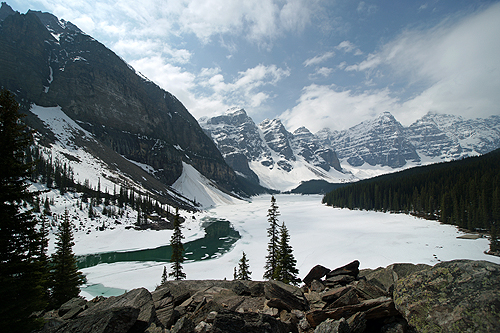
(318, 234)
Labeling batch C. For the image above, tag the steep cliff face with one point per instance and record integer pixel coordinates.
(51, 62)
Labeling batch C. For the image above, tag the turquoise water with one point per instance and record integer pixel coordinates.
(220, 237)
(100, 290)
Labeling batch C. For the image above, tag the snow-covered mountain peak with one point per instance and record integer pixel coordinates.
(302, 131)
(268, 154)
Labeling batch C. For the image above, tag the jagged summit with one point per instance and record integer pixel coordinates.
(54, 25)
(5, 10)
(270, 155)
(370, 148)
(380, 141)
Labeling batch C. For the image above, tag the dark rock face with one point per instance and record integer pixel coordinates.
(454, 296)
(50, 62)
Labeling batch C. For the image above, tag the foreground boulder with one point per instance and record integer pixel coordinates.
(454, 296)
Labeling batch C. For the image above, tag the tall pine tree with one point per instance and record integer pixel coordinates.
(494, 242)
(164, 276)
(21, 245)
(65, 276)
(272, 246)
(286, 270)
(243, 269)
(177, 257)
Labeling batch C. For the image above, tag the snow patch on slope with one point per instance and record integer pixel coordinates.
(277, 178)
(201, 190)
(85, 166)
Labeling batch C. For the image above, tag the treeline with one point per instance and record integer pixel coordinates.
(58, 175)
(465, 193)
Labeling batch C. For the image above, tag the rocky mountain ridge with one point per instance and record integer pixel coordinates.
(50, 62)
(373, 147)
(454, 296)
(268, 153)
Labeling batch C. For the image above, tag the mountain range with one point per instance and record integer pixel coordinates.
(83, 100)
(280, 159)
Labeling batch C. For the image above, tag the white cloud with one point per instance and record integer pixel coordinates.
(258, 20)
(366, 9)
(346, 46)
(321, 106)
(318, 59)
(171, 78)
(325, 71)
(456, 62)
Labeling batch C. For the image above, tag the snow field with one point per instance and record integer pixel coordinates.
(318, 234)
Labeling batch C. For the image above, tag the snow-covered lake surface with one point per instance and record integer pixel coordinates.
(319, 235)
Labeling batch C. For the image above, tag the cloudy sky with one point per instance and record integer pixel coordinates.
(313, 63)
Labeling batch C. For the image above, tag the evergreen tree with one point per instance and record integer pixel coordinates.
(65, 276)
(272, 246)
(177, 257)
(164, 276)
(235, 274)
(494, 242)
(46, 207)
(286, 270)
(243, 269)
(21, 246)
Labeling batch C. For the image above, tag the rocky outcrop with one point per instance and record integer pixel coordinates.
(456, 296)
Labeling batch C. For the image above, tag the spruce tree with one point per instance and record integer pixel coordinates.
(494, 242)
(243, 268)
(164, 276)
(65, 276)
(21, 246)
(272, 246)
(177, 257)
(286, 270)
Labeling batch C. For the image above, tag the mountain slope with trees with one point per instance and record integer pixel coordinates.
(465, 193)
(51, 62)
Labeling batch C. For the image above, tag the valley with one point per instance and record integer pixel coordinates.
(319, 235)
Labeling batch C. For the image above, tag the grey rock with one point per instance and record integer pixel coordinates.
(385, 278)
(339, 280)
(368, 290)
(117, 320)
(453, 296)
(357, 322)
(234, 322)
(317, 285)
(351, 269)
(333, 326)
(286, 296)
(139, 299)
(316, 273)
(183, 325)
(72, 308)
(348, 298)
